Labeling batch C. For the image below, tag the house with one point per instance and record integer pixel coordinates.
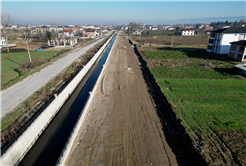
(185, 32)
(200, 26)
(90, 26)
(170, 28)
(238, 51)
(2, 42)
(154, 28)
(104, 30)
(14, 26)
(138, 32)
(66, 33)
(207, 32)
(219, 40)
(223, 26)
(89, 32)
(209, 28)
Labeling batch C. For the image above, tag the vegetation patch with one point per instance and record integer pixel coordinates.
(18, 64)
(207, 98)
(206, 104)
(164, 54)
(198, 72)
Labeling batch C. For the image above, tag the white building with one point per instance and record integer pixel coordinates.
(224, 26)
(154, 28)
(90, 26)
(2, 42)
(170, 28)
(219, 40)
(66, 33)
(187, 32)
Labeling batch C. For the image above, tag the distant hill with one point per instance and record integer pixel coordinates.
(205, 20)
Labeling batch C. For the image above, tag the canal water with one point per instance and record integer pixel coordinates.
(50, 144)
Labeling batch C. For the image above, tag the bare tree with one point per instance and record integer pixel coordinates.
(27, 30)
(132, 26)
(54, 32)
(6, 21)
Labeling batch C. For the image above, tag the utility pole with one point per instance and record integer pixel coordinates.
(72, 40)
(83, 37)
(140, 32)
(27, 48)
(172, 41)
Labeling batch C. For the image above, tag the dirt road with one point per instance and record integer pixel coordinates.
(122, 126)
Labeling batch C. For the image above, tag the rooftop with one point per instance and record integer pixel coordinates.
(67, 30)
(231, 30)
(187, 30)
(89, 30)
(240, 43)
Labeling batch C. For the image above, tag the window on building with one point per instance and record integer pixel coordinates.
(242, 37)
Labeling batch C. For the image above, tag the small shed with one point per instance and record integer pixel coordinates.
(238, 51)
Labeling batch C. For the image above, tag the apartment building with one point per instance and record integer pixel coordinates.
(187, 32)
(220, 40)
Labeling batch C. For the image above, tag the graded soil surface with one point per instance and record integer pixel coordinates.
(121, 126)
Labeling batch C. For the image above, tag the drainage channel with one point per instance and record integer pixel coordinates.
(50, 144)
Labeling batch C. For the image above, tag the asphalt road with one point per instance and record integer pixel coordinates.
(16, 94)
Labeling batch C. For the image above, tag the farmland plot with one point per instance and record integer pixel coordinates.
(208, 99)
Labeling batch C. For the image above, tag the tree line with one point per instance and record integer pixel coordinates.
(231, 24)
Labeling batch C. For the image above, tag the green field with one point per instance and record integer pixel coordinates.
(182, 72)
(11, 63)
(164, 54)
(206, 104)
(203, 97)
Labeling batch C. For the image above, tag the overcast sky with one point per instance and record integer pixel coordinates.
(84, 12)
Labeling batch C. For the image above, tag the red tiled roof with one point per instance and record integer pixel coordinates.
(187, 30)
(89, 30)
(67, 30)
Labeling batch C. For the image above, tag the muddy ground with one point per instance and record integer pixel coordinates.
(201, 41)
(123, 125)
